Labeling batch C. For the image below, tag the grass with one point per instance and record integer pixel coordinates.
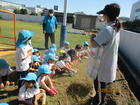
(72, 90)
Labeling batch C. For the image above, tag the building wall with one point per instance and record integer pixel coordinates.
(135, 12)
(28, 18)
(84, 22)
(10, 6)
(130, 46)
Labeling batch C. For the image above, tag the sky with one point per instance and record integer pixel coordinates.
(87, 6)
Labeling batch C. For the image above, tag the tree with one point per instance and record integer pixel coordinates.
(33, 13)
(16, 11)
(132, 25)
(23, 11)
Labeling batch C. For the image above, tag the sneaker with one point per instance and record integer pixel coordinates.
(55, 90)
(51, 92)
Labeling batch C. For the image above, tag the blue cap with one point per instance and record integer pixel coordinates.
(49, 57)
(30, 77)
(23, 37)
(67, 43)
(50, 51)
(4, 104)
(43, 69)
(35, 58)
(4, 64)
(53, 46)
(85, 43)
(35, 50)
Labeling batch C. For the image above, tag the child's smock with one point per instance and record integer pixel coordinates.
(22, 62)
(26, 93)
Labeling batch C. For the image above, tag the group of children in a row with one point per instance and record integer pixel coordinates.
(36, 71)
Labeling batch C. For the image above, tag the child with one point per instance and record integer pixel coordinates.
(54, 46)
(36, 62)
(36, 59)
(51, 50)
(29, 93)
(45, 81)
(23, 53)
(5, 72)
(63, 66)
(66, 47)
(79, 55)
(50, 62)
(85, 50)
(71, 56)
(36, 52)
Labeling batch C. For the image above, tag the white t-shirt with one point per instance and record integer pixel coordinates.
(22, 63)
(26, 93)
(68, 59)
(50, 65)
(42, 79)
(61, 64)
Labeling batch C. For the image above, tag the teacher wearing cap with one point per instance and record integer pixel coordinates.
(108, 39)
(49, 27)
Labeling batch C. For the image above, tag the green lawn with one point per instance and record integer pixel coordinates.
(72, 90)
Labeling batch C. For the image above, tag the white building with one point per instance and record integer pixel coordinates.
(38, 9)
(135, 12)
(6, 5)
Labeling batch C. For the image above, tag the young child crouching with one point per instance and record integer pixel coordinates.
(85, 50)
(5, 73)
(45, 81)
(66, 47)
(63, 66)
(29, 93)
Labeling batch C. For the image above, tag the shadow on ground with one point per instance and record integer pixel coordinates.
(7, 49)
(8, 93)
(78, 89)
(14, 102)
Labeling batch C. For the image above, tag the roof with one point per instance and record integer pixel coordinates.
(11, 2)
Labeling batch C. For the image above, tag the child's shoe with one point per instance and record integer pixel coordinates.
(55, 90)
(51, 92)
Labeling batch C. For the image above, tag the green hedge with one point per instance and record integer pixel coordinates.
(132, 25)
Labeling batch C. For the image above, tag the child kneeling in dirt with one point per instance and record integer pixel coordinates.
(45, 81)
(85, 50)
(29, 93)
(5, 72)
(65, 67)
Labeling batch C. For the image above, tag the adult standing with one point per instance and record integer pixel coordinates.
(108, 40)
(49, 27)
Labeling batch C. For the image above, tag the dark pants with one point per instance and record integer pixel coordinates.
(21, 75)
(102, 90)
(52, 37)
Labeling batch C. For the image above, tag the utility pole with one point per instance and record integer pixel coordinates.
(63, 34)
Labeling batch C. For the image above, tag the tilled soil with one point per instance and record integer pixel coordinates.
(124, 90)
(121, 93)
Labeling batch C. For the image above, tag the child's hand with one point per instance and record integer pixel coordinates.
(29, 52)
(32, 70)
